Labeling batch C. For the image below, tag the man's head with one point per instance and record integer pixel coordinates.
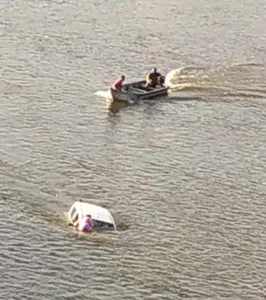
(154, 70)
(123, 77)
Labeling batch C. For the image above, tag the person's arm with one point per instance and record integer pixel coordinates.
(76, 224)
(75, 219)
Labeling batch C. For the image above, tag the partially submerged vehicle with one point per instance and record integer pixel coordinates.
(138, 91)
(102, 218)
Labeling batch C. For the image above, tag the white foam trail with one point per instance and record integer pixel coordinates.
(178, 79)
(176, 76)
(103, 94)
(172, 77)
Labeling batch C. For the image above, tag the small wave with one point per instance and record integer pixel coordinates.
(122, 225)
(243, 94)
(199, 88)
(103, 94)
(97, 237)
(245, 65)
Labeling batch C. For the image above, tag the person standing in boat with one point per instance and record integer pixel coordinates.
(154, 78)
(118, 84)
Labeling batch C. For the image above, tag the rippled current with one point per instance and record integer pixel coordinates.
(184, 177)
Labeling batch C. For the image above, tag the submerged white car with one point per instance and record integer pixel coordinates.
(102, 218)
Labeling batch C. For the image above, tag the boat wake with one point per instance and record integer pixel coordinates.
(238, 80)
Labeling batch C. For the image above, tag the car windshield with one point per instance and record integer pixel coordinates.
(103, 225)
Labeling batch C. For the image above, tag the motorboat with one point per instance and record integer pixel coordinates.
(138, 90)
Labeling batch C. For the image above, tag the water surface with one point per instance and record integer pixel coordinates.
(184, 176)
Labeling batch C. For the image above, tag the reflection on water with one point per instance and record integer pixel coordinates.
(115, 106)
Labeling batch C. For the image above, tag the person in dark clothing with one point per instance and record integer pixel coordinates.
(154, 78)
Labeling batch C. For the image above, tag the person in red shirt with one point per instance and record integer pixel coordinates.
(118, 83)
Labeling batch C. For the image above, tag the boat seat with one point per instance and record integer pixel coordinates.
(134, 89)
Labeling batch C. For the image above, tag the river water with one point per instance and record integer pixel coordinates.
(184, 177)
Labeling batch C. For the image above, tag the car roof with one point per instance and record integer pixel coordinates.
(97, 213)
